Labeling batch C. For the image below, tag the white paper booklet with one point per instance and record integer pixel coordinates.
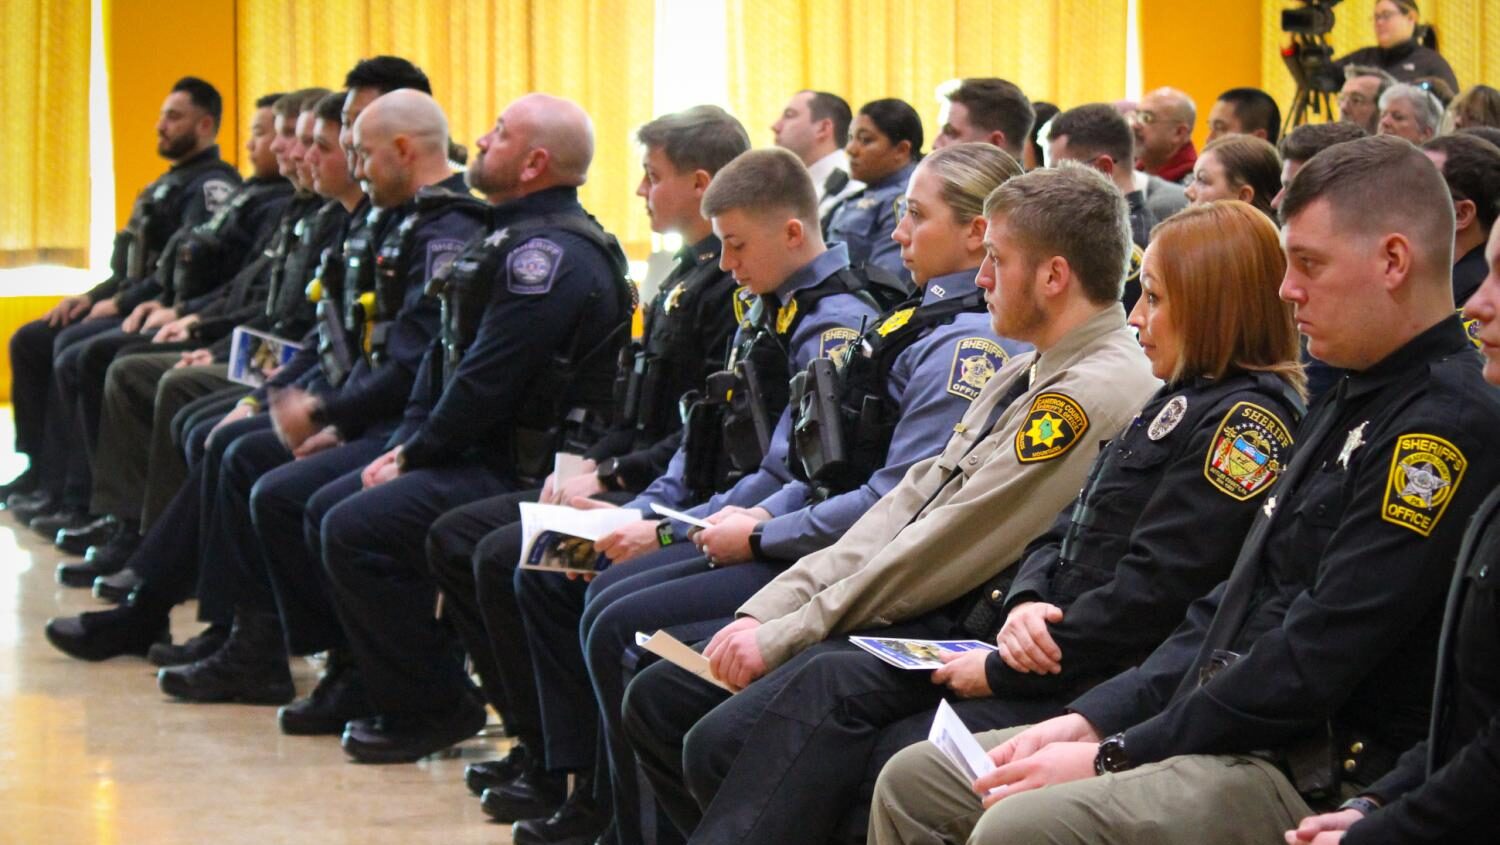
(953, 738)
(916, 654)
(675, 651)
(561, 539)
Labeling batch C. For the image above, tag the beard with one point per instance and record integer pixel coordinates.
(176, 148)
(1021, 318)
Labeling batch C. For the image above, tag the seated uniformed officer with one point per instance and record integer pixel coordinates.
(1471, 167)
(903, 386)
(409, 234)
(1057, 245)
(191, 191)
(1098, 136)
(808, 306)
(1116, 571)
(688, 326)
(814, 126)
(885, 143)
(986, 110)
(1444, 788)
(1296, 682)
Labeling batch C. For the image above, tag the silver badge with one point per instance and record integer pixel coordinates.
(1355, 440)
(1168, 418)
(497, 237)
(1270, 507)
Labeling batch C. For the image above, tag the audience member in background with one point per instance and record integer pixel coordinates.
(988, 111)
(1488, 133)
(1097, 136)
(814, 127)
(1306, 141)
(1476, 106)
(1471, 167)
(1359, 99)
(1437, 88)
(1410, 112)
(1237, 167)
(1404, 48)
(1244, 111)
(883, 149)
(1164, 134)
(1033, 154)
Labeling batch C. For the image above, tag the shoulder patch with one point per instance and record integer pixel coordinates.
(743, 299)
(440, 254)
(1054, 423)
(1168, 417)
(1248, 452)
(215, 193)
(975, 362)
(1425, 473)
(835, 344)
(1471, 328)
(896, 321)
(532, 267)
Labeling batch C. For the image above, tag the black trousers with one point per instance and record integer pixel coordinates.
(43, 419)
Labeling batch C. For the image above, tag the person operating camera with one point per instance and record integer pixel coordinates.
(1405, 48)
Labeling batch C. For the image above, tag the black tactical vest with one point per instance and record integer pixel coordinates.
(199, 260)
(157, 210)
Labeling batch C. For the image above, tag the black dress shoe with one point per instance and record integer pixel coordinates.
(26, 482)
(202, 645)
(76, 541)
(250, 668)
(535, 794)
(407, 738)
(338, 699)
(492, 773)
(116, 588)
(28, 506)
(84, 573)
(579, 821)
(48, 524)
(116, 552)
(106, 633)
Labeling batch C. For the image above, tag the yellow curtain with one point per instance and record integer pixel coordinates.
(1066, 51)
(479, 55)
(1468, 37)
(44, 149)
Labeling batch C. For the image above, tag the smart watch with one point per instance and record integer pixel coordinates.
(608, 473)
(1111, 756)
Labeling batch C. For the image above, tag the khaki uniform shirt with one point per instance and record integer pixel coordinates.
(957, 519)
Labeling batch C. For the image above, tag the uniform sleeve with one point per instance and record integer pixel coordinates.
(1454, 805)
(1169, 562)
(523, 326)
(949, 550)
(929, 402)
(383, 394)
(669, 489)
(1374, 584)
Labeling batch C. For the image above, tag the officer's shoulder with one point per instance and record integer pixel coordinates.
(1254, 393)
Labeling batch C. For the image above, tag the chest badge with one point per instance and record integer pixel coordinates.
(1354, 440)
(1167, 418)
(673, 299)
(896, 321)
(785, 316)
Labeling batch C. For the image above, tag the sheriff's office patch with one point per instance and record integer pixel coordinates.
(743, 300)
(784, 317)
(440, 254)
(532, 267)
(1137, 258)
(1054, 423)
(836, 343)
(975, 362)
(1248, 452)
(1425, 473)
(1471, 328)
(896, 321)
(215, 193)
(1167, 418)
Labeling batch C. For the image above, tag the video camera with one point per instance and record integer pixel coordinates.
(1315, 18)
(1309, 58)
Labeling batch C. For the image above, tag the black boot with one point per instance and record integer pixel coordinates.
(210, 640)
(117, 588)
(535, 794)
(28, 506)
(76, 541)
(63, 516)
(107, 633)
(250, 668)
(492, 773)
(408, 737)
(338, 699)
(579, 821)
(100, 560)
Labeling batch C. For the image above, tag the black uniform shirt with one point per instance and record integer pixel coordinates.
(1347, 596)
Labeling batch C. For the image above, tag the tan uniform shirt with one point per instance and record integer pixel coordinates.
(957, 519)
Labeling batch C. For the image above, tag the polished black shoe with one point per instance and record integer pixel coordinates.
(492, 773)
(408, 738)
(24, 483)
(116, 588)
(250, 668)
(28, 506)
(535, 794)
(204, 644)
(116, 552)
(338, 699)
(48, 524)
(579, 821)
(107, 633)
(85, 573)
(76, 541)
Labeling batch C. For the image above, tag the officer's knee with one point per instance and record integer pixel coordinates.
(1037, 817)
(706, 755)
(917, 763)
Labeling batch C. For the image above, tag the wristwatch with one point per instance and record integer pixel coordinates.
(664, 536)
(1111, 756)
(608, 473)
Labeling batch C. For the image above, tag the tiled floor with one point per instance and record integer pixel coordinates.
(93, 753)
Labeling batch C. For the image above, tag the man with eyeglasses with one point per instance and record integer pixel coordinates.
(1359, 99)
(1163, 127)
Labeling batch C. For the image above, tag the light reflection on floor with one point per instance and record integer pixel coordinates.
(92, 753)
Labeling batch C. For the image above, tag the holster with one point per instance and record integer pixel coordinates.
(703, 442)
(747, 425)
(820, 451)
(197, 266)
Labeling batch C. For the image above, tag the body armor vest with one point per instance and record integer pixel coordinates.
(151, 224)
(199, 255)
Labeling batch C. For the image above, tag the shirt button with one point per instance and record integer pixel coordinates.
(973, 460)
(1484, 570)
(995, 595)
(1350, 765)
(1357, 748)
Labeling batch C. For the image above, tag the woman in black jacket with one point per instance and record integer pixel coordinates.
(1404, 49)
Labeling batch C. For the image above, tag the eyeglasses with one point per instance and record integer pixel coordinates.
(1347, 100)
(1382, 17)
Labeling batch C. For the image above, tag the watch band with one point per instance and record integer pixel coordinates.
(664, 536)
(1360, 803)
(756, 534)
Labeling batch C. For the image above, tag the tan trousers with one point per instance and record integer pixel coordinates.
(1198, 799)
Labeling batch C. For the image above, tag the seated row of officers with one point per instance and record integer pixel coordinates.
(1219, 610)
